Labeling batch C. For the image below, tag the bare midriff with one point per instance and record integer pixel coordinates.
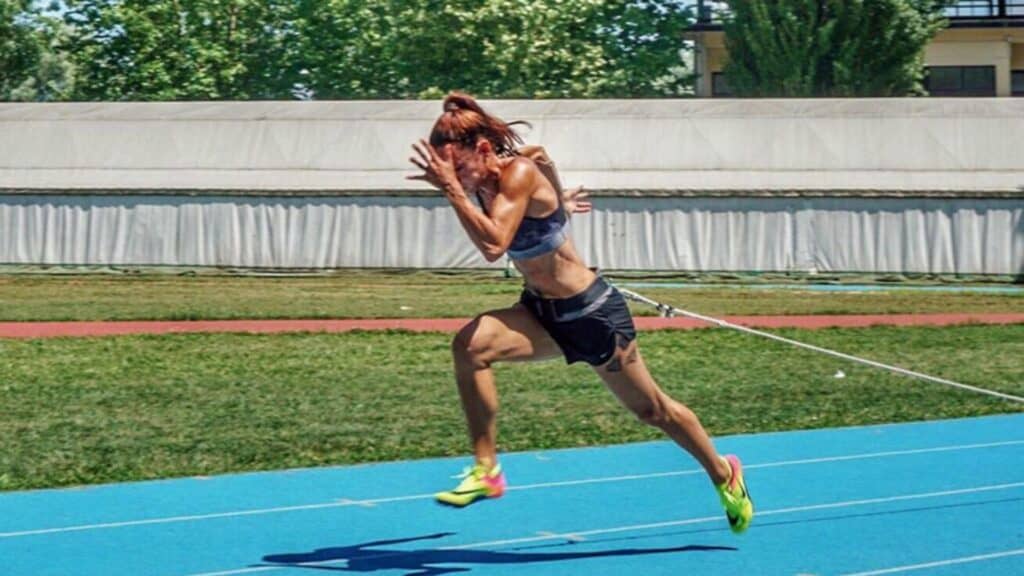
(559, 274)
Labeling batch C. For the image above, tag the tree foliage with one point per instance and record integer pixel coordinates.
(179, 49)
(31, 66)
(251, 49)
(838, 48)
(19, 46)
(494, 48)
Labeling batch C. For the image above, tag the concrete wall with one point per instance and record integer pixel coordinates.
(689, 145)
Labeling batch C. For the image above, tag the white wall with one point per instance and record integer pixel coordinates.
(652, 145)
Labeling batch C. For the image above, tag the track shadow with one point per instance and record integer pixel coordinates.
(370, 557)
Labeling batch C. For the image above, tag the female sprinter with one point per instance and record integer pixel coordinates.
(565, 308)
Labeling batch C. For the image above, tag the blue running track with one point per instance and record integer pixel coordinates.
(941, 498)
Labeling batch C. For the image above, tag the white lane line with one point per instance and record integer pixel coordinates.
(362, 503)
(771, 464)
(937, 563)
(638, 527)
(173, 519)
(370, 502)
(830, 505)
(251, 570)
(576, 538)
(887, 454)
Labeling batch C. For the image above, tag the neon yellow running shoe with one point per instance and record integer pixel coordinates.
(477, 482)
(739, 508)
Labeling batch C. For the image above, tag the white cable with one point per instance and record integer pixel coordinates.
(671, 310)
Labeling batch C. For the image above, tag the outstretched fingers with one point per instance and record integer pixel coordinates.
(432, 154)
(422, 161)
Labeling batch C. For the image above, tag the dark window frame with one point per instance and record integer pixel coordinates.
(1014, 74)
(963, 91)
(720, 86)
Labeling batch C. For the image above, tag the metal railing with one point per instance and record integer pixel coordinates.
(977, 9)
(711, 12)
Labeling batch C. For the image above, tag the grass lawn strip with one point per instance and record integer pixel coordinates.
(411, 295)
(90, 410)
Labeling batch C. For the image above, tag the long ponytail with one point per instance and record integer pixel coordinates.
(464, 121)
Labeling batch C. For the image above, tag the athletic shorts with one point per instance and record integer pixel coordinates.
(588, 326)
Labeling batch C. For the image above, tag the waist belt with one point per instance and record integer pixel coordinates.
(573, 307)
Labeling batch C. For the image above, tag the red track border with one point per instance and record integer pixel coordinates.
(116, 328)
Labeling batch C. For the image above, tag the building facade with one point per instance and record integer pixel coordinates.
(980, 54)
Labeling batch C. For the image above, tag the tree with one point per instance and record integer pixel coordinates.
(180, 49)
(836, 48)
(329, 49)
(520, 48)
(31, 66)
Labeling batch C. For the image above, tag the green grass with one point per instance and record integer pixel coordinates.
(79, 411)
(409, 294)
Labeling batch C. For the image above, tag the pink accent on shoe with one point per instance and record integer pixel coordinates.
(737, 469)
(496, 485)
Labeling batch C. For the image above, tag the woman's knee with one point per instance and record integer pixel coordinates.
(652, 412)
(661, 412)
(473, 343)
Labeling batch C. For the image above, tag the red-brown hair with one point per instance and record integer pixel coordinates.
(464, 122)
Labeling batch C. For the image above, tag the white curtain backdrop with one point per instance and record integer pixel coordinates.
(739, 234)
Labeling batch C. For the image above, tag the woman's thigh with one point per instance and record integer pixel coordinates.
(507, 335)
(627, 377)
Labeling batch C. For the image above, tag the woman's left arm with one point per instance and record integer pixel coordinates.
(574, 199)
(544, 163)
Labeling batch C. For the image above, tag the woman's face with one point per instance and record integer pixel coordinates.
(470, 166)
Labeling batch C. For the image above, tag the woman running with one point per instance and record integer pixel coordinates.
(565, 308)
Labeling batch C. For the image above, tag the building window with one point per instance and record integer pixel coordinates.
(720, 86)
(961, 81)
(1018, 82)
